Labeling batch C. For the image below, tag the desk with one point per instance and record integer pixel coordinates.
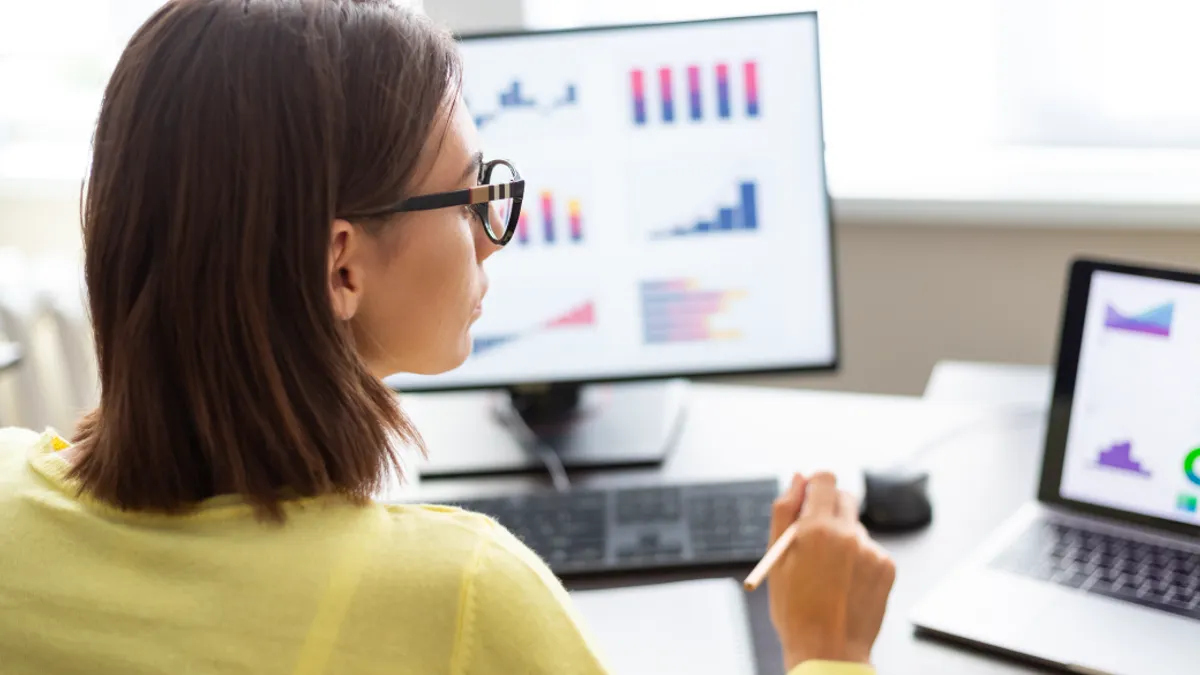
(984, 465)
(998, 383)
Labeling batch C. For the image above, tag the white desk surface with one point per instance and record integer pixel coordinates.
(729, 432)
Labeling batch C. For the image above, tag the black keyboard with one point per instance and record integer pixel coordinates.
(591, 531)
(1152, 575)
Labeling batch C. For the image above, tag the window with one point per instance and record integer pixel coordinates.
(54, 60)
(953, 100)
(1117, 78)
(987, 100)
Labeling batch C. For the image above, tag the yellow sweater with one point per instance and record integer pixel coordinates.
(339, 589)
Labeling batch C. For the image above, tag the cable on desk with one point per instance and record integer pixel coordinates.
(533, 445)
(1008, 416)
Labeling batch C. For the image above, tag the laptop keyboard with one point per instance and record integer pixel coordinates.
(1151, 575)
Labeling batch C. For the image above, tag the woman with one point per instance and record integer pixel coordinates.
(253, 270)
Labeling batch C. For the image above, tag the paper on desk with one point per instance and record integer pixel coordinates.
(693, 627)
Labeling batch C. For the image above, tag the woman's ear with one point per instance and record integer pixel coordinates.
(345, 269)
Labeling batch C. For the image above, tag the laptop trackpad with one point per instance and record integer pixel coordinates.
(1109, 636)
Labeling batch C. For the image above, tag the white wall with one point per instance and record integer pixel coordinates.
(911, 294)
(40, 219)
(477, 16)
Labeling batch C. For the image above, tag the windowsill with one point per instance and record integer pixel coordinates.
(1020, 187)
(1025, 187)
(1061, 214)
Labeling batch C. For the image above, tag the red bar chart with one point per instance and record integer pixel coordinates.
(751, 80)
(548, 216)
(698, 82)
(562, 221)
(575, 219)
(667, 94)
(523, 229)
(723, 91)
(638, 83)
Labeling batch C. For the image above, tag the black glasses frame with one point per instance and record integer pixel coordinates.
(478, 198)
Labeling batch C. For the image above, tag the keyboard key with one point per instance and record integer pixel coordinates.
(1146, 574)
(649, 505)
(587, 531)
(1192, 613)
(1071, 579)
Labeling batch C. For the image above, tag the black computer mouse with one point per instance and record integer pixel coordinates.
(896, 501)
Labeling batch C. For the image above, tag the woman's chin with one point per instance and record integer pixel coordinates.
(445, 362)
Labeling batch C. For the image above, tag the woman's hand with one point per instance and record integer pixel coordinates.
(830, 589)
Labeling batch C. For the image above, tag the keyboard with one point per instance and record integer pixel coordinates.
(1151, 575)
(588, 531)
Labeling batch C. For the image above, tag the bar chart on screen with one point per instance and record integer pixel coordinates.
(695, 94)
(684, 310)
(740, 217)
(548, 219)
(515, 99)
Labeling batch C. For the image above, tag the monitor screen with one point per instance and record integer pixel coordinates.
(1134, 437)
(675, 219)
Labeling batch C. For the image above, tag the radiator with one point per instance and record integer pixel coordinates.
(43, 316)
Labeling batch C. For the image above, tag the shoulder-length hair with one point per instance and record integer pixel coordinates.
(230, 135)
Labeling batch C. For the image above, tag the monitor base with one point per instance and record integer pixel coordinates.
(587, 427)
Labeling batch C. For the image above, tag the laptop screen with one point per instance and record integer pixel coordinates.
(1134, 435)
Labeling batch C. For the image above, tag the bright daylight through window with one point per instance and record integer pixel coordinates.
(955, 100)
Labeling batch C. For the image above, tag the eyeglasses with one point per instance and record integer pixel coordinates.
(499, 183)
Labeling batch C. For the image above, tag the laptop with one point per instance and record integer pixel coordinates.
(1101, 573)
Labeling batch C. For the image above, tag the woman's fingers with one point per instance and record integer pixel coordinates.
(787, 506)
(821, 500)
(847, 508)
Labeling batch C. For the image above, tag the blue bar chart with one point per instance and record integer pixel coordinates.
(742, 217)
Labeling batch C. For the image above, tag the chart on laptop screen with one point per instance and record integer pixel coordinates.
(675, 210)
(1134, 441)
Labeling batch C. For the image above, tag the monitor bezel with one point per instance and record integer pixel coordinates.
(832, 366)
(1074, 315)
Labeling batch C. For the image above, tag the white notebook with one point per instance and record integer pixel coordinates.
(692, 627)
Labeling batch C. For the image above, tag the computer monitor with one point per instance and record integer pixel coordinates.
(676, 220)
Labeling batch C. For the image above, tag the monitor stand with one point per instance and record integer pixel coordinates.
(586, 426)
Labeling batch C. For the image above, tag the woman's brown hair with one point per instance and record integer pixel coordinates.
(230, 135)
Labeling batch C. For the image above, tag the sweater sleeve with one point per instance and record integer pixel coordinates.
(831, 668)
(516, 617)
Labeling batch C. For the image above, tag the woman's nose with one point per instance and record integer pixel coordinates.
(484, 247)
